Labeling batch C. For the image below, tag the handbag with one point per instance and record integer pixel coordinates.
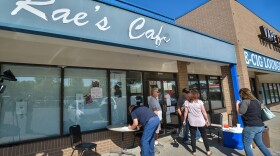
(182, 131)
(266, 114)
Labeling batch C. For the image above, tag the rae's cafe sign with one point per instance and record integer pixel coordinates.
(81, 19)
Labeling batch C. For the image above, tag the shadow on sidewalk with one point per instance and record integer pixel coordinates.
(215, 147)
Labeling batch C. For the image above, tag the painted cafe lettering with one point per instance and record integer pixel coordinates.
(80, 19)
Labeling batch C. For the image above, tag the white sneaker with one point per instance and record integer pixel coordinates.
(200, 140)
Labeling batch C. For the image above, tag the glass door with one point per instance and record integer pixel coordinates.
(204, 91)
(167, 98)
(118, 97)
(215, 94)
(169, 103)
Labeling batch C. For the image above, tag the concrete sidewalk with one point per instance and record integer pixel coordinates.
(173, 145)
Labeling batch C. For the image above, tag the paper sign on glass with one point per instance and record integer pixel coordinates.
(172, 109)
(96, 92)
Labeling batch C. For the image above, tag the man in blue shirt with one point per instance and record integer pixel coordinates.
(143, 116)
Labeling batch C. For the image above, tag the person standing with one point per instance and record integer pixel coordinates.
(180, 110)
(143, 116)
(197, 117)
(250, 109)
(156, 108)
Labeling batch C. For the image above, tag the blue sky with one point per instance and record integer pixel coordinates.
(268, 10)
(169, 8)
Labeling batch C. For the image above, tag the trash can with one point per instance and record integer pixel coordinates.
(265, 137)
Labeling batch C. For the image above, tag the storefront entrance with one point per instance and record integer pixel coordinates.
(167, 98)
(210, 90)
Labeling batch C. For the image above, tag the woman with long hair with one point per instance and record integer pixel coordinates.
(197, 118)
(250, 109)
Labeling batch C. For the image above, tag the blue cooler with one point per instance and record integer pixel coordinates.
(232, 138)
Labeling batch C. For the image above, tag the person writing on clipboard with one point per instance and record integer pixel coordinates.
(143, 116)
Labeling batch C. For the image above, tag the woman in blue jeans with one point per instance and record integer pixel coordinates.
(250, 109)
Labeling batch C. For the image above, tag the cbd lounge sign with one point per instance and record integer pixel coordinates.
(269, 35)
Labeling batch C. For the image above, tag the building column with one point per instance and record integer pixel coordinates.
(182, 78)
(242, 70)
(228, 95)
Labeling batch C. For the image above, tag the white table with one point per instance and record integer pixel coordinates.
(122, 129)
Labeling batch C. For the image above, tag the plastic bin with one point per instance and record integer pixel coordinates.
(233, 138)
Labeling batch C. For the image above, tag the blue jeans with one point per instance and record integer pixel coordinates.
(251, 133)
(147, 140)
(186, 136)
(197, 135)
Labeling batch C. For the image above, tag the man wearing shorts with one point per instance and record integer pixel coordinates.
(155, 107)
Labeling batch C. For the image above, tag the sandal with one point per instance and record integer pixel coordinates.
(209, 153)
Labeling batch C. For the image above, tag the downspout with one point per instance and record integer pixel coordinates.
(234, 77)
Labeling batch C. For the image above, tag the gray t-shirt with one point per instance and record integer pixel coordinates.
(181, 101)
(244, 106)
(154, 104)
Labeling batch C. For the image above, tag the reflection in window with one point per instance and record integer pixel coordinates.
(278, 89)
(28, 102)
(134, 88)
(215, 92)
(118, 97)
(275, 92)
(170, 99)
(271, 93)
(263, 94)
(85, 99)
(267, 95)
(193, 82)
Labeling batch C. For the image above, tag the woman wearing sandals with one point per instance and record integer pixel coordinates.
(197, 119)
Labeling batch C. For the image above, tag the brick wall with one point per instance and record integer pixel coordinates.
(182, 77)
(105, 141)
(229, 100)
(214, 18)
(231, 21)
(247, 31)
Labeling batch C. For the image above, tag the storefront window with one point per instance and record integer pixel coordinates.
(215, 92)
(278, 89)
(134, 88)
(271, 90)
(193, 82)
(170, 100)
(204, 91)
(210, 90)
(30, 105)
(267, 94)
(275, 92)
(118, 97)
(85, 98)
(253, 88)
(263, 94)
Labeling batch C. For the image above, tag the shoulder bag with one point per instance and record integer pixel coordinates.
(266, 114)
